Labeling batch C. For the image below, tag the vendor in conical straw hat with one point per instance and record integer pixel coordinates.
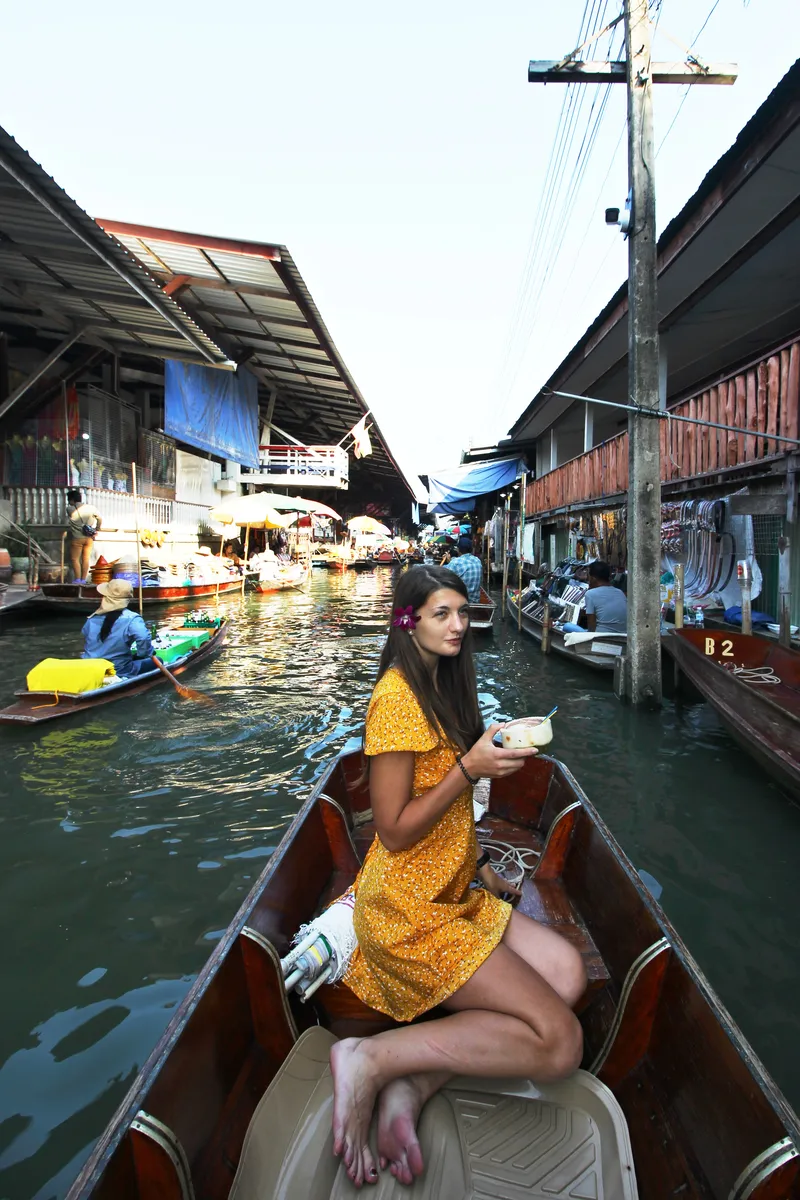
(116, 633)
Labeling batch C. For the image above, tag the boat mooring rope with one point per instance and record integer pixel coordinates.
(512, 863)
(753, 674)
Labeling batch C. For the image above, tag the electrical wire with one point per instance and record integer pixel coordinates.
(565, 176)
(688, 88)
(572, 101)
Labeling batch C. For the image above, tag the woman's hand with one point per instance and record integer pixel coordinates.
(495, 883)
(487, 761)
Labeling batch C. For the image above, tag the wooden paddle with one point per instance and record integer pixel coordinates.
(186, 692)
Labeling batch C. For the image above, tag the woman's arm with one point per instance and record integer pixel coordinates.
(402, 821)
(139, 633)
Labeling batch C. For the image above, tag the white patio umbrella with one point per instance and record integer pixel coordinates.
(367, 525)
(254, 512)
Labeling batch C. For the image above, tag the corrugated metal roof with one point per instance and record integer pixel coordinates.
(59, 271)
(251, 296)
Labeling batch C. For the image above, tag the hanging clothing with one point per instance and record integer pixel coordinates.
(422, 931)
(117, 648)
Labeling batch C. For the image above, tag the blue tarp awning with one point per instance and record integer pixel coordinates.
(213, 410)
(456, 491)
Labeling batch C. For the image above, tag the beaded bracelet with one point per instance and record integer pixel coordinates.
(467, 775)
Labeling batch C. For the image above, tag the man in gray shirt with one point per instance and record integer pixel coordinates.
(606, 606)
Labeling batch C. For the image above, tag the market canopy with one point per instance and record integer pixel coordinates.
(455, 491)
(254, 510)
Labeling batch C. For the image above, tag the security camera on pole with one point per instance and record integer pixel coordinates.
(641, 682)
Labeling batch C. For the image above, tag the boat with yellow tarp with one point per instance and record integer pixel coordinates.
(60, 687)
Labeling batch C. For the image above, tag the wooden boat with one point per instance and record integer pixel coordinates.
(764, 717)
(481, 615)
(228, 1104)
(34, 708)
(84, 598)
(293, 575)
(385, 558)
(598, 654)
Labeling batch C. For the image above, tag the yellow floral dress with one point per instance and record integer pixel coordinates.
(421, 931)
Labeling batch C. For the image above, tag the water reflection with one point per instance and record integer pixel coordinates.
(131, 837)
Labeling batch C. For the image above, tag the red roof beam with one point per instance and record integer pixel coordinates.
(199, 241)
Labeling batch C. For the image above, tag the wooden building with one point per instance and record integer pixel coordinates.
(729, 322)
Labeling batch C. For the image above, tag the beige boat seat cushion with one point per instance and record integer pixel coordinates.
(480, 1139)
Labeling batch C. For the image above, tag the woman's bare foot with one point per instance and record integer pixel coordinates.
(354, 1091)
(399, 1107)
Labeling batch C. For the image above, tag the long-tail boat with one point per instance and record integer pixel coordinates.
(597, 652)
(84, 597)
(754, 684)
(235, 1100)
(35, 708)
(292, 575)
(481, 614)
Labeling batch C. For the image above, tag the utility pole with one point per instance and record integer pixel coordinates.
(642, 680)
(642, 677)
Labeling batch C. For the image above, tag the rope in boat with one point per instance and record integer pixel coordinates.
(753, 674)
(512, 863)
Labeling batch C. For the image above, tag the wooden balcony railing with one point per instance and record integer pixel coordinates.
(48, 506)
(764, 399)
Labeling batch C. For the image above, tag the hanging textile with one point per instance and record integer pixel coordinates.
(213, 410)
(456, 491)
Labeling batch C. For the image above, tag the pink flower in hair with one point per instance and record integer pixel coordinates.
(404, 618)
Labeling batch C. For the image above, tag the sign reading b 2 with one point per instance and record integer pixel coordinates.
(727, 647)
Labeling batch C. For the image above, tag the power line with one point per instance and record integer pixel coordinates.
(567, 167)
(686, 90)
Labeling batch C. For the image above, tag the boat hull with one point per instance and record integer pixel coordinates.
(481, 615)
(74, 597)
(298, 580)
(37, 708)
(700, 1108)
(601, 659)
(763, 718)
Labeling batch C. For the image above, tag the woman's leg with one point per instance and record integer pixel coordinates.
(402, 1101)
(86, 555)
(506, 1020)
(75, 558)
(556, 960)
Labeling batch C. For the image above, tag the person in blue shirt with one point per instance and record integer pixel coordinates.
(113, 630)
(606, 606)
(469, 568)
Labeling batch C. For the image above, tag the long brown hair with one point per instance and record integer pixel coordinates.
(452, 705)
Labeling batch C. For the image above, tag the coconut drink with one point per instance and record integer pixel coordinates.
(527, 732)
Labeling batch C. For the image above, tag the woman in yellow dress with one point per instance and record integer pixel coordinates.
(424, 937)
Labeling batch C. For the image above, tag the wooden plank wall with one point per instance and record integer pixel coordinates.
(764, 399)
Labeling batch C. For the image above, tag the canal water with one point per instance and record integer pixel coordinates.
(129, 838)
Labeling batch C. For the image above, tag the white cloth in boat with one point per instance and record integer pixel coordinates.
(572, 639)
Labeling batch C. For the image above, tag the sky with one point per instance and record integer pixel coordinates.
(399, 153)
